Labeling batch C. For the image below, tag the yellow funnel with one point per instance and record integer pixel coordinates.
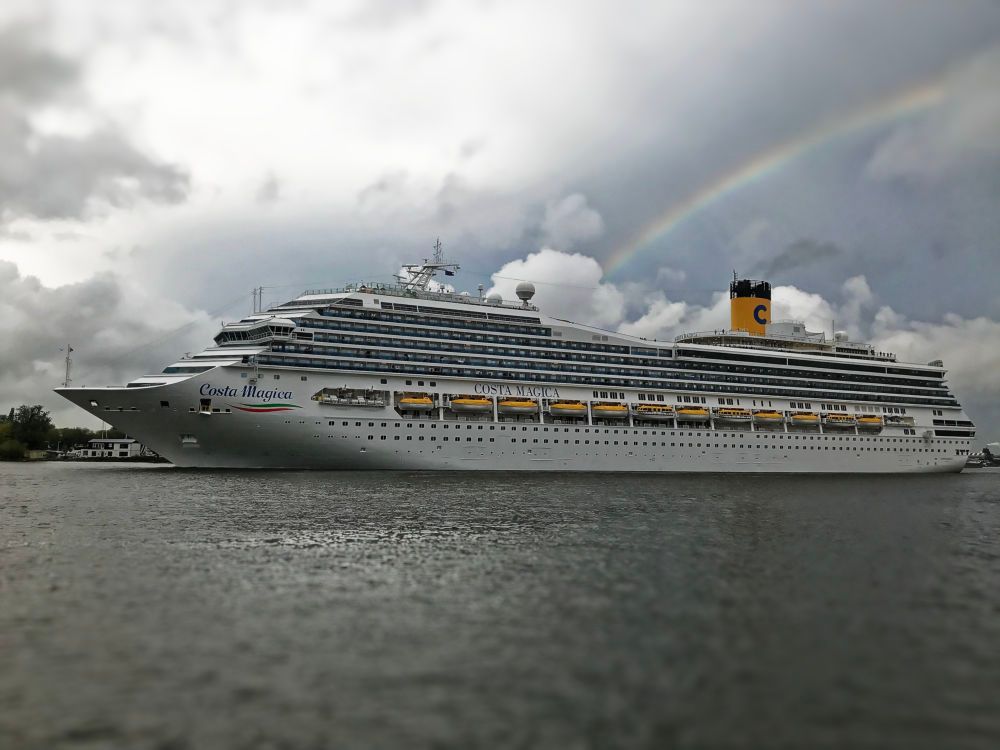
(750, 306)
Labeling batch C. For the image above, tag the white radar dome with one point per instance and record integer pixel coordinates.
(525, 291)
(494, 299)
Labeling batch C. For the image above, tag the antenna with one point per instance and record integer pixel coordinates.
(417, 278)
(69, 364)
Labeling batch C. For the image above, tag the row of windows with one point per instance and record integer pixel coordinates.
(776, 360)
(636, 443)
(410, 343)
(557, 367)
(558, 373)
(491, 374)
(624, 431)
(476, 325)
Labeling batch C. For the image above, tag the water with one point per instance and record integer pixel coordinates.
(158, 608)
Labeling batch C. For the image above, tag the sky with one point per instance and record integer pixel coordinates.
(159, 160)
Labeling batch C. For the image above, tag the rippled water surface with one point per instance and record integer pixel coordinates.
(149, 607)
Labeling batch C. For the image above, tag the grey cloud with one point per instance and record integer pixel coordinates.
(803, 252)
(109, 327)
(388, 187)
(29, 72)
(962, 132)
(57, 176)
(381, 14)
(269, 190)
(471, 148)
(571, 220)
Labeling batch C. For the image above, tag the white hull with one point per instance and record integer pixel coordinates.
(317, 436)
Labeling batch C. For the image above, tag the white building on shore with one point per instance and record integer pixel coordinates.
(112, 448)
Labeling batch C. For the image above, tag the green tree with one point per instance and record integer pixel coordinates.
(30, 425)
(70, 437)
(11, 450)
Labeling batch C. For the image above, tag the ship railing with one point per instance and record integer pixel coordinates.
(746, 340)
(389, 290)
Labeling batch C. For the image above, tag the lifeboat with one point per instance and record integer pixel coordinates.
(839, 420)
(729, 414)
(567, 409)
(767, 416)
(415, 402)
(609, 411)
(653, 412)
(805, 419)
(517, 406)
(471, 404)
(869, 422)
(692, 414)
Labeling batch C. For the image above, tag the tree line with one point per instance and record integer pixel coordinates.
(26, 428)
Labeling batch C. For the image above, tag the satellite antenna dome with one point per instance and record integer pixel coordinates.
(525, 291)
(494, 299)
(465, 294)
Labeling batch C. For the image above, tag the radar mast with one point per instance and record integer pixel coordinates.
(417, 277)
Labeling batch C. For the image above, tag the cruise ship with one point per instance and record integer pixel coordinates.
(413, 376)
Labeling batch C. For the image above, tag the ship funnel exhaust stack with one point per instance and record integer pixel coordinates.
(749, 306)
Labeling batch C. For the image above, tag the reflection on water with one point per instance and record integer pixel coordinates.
(153, 607)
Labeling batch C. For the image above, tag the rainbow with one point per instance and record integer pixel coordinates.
(761, 165)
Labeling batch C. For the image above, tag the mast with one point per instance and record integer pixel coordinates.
(417, 277)
(69, 363)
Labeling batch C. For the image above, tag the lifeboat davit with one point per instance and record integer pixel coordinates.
(517, 406)
(728, 414)
(609, 411)
(567, 409)
(870, 422)
(692, 414)
(839, 420)
(653, 412)
(471, 404)
(767, 416)
(415, 402)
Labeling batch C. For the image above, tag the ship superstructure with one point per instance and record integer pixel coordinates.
(403, 376)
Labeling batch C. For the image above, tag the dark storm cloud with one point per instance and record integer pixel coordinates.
(804, 252)
(53, 176)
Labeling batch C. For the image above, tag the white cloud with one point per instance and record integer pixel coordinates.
(970, 348)
(569, 286)
(570, 220)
